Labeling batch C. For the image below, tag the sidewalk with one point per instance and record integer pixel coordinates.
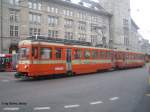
(144, 105)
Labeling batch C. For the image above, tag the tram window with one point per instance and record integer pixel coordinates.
(127, 56)
(35, 53)
(108, 54)
(24, 53)
(58, 53)
(2, 60)
(87, 54)
(46, 53)
(78, 54)
(94, 54)
(102, 54)
(8, 60)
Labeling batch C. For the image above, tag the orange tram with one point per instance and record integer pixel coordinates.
(43, 57)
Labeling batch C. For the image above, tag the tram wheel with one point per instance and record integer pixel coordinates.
(69, 73)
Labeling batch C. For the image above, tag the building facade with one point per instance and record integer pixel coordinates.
(120, 23)
(104, 24)
(134, 37)
(53, 19)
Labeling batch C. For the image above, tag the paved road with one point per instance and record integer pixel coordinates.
(116, 91)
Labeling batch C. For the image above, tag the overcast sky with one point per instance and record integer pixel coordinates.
(140, 12)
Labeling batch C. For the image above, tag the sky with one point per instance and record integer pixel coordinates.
(140, 12)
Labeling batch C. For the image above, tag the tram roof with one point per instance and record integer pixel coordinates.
(42, 40)
(29, 42)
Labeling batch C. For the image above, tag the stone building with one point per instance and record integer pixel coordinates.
(134, 37)
(120, 23)
(104, 24)
(54, 19)
(144, 46)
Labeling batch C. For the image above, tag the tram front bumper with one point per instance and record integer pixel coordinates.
(18, 75)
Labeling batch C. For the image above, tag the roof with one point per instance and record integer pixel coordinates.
(78, 6)
(29, 42)
(133, 23)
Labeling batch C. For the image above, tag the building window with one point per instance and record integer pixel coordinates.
(53, 34)
(69, 35)
(30, 4)
(82, 25)
(125, 22)
(31, 31)
(14, 31)
(126, 35)
(81, 15)
(34, 4)
(48, 8)
(94, 27)
(38, 19)
(68, 12)
(82, 37)
(35, 18)
(14, 16)
(34, 31)
(39, 6)
(14, 2)
(94, 19)
(56, 10)
(93, 38)
(68, 23)
(52, 21)
(126, 41)
(11, 1)
(52, 9)
(11, 30)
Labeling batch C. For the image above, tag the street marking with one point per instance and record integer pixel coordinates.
(147, 94)
(5, 80)
(42, 108)
(12, 109)
(114, 98)
(96, 102)
(71, 106)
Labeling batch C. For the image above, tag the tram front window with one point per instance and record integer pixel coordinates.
(24, 53)
(2, 60)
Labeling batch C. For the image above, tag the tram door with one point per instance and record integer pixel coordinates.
(68, 59)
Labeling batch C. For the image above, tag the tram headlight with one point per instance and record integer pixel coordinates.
(16, 66)
(26, 66)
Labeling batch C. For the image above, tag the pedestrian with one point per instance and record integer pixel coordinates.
(149, 72)
(148, 67)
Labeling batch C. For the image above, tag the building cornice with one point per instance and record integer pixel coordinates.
(78, 6)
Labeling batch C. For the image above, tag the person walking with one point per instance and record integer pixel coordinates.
(149, 72)
(148, 67)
